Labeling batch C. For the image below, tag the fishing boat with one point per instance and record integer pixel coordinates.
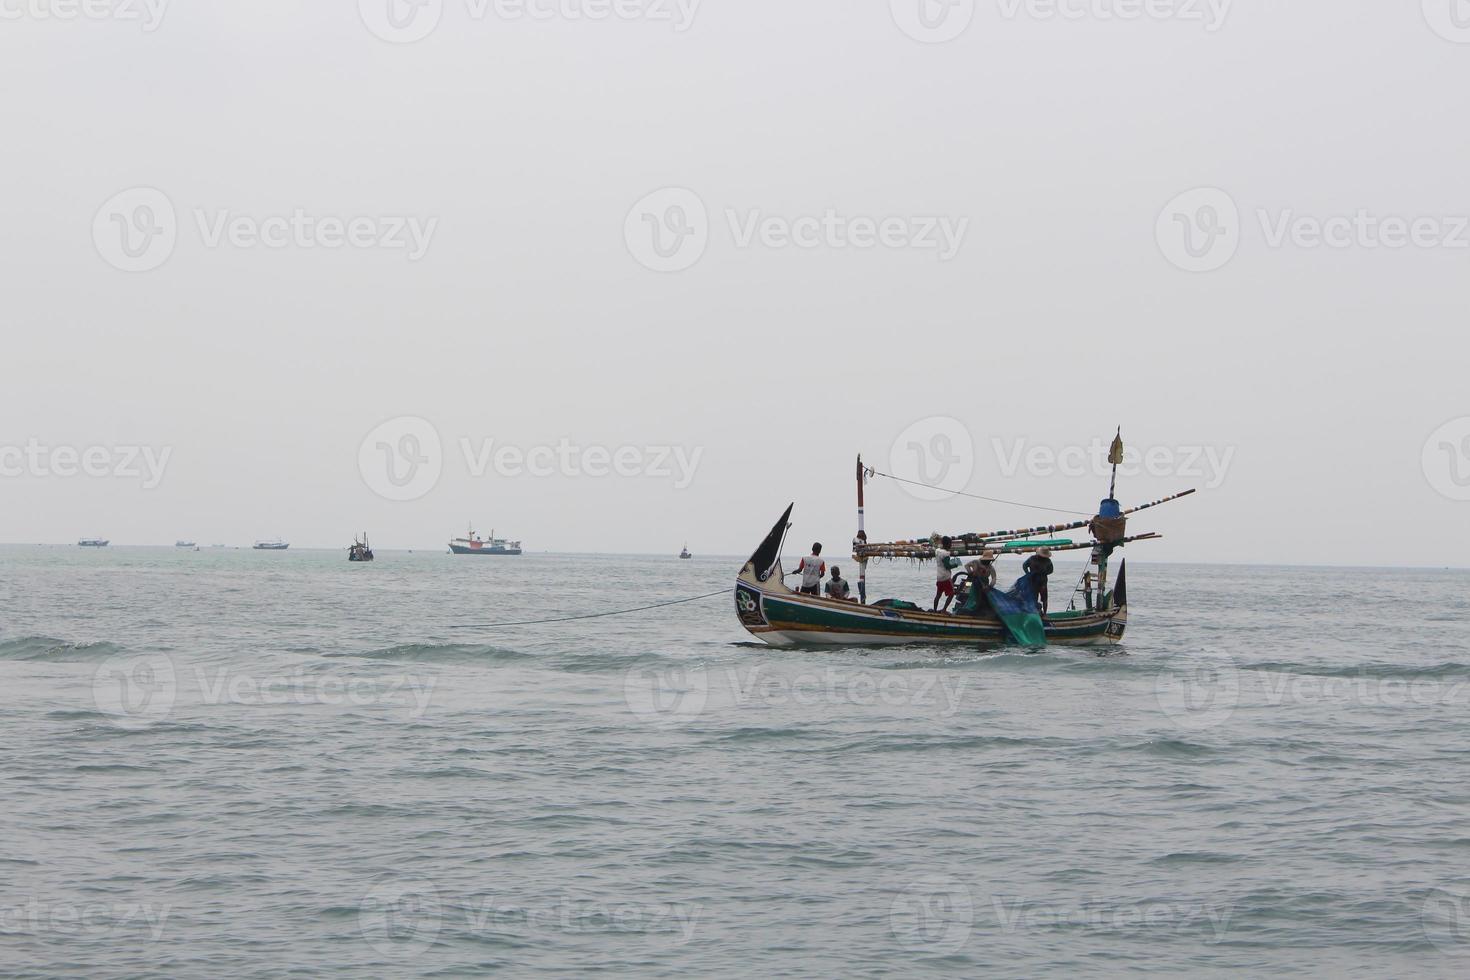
(181, 543)
(360, 550)
(473, 544)
(93, 543)
(275, 544)
(684, 552)
(778, 615)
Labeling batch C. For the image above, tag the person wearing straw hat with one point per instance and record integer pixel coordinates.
(980, 573)
(1039, 567)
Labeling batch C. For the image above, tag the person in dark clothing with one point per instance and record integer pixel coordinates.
(1039, 567)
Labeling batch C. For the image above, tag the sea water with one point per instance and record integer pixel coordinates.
(237, 763)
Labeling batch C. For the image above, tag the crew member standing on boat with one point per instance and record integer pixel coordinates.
(944, 564)
(1039, 567)
(811, 568)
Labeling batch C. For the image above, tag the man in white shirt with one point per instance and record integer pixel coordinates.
(811, 568)
(944, 564)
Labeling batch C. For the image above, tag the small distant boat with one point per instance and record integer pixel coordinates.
(93, 543)
(473, 544)
(181, 543)
(275, 545)
(684, 552)
(360, 550)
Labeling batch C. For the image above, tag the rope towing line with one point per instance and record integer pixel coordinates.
(614, 612)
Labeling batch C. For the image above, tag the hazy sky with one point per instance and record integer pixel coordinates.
(740, 242)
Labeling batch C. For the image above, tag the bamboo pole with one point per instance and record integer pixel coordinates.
(923, 550)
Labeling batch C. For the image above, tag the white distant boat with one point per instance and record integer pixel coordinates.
(93, 543)
(275, 545)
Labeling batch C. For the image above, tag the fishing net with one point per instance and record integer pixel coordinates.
(1017, 608)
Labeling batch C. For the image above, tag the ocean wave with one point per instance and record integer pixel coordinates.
(461, 653)
(1376, 671)
(50, 648)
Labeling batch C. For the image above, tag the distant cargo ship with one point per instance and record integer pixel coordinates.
(93, 543)
(181, 543)
(476, 545)
(276, 545)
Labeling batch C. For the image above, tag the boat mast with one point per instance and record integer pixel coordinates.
(862, 535)
(1109, 508)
